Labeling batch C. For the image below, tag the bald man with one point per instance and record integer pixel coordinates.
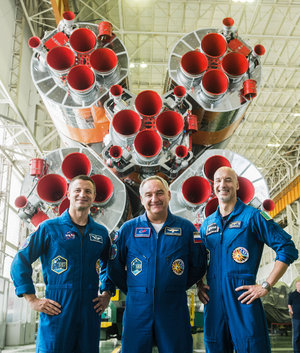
(235, 236)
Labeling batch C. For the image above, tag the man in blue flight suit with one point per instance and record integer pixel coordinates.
(235, 236)
(155, 258)
(74, 251)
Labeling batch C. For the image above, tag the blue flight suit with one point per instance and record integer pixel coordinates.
(155, 270)
(71, 265)
(235, 253)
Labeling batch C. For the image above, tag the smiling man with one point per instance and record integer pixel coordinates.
(235, 236)
(155, 258)
(74, 251)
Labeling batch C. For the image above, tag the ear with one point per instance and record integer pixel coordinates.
(169, 193)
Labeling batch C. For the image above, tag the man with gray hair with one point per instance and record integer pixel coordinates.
(155, 258)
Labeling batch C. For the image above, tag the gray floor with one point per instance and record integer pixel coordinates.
(279, 344)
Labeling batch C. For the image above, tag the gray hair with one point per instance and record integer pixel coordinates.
(154, 177)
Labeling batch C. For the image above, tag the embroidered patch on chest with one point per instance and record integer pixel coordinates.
(136, 266)
(97, 238)
(70, 235)
(212, 228)
(236, 224)
(240, 255)
(59, 265)
(113, 252)
(265, 215)
(142, 232)
(173, 231)
(178, 267)
(197, 237)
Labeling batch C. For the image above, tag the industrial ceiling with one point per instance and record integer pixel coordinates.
(269, 136)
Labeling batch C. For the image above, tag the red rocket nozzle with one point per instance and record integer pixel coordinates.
(63, 205)
(34, 42)
(214, 45)
(74, 164)
(105, 28)
(212, 164)
(214, 83)
(116, 91)
(115, 152)
(126, 122)
(249, 89)
(179, 91)
(148, 103)
(52, 188)
(259, 50)
(104, 188)
(268, 205)
(169, 123)
(181, 151)
(228, 22)
(81, 79)
(104, 61)
(82, 40)
(196, 190)
(68, 16)
(60, 59)
(211, 206)
(194, 63)
(234, 64)
(148, 143)
(21, 201)
(246, 189)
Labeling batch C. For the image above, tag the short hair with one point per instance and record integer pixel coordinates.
(83, 177)
(154, 177)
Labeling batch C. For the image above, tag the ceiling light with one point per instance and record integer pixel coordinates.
(131, 65)
(143, 65)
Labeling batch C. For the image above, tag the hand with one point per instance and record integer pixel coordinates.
(102, 302)
(252, 292)
(44, 305)
(202, 292)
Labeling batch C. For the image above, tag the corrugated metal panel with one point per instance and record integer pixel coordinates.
(287, 196)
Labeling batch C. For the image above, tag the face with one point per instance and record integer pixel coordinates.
(81, 194)
(225, 184)
(155, 198)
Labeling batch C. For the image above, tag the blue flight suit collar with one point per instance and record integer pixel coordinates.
(66, 219)
(238, 208)
(169, 221)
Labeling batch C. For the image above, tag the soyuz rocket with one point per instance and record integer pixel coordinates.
(118, 138)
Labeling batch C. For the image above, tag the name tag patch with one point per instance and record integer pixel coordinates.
(136, 266)
(142, 232)
(97, 238)
(212, 228)
(59, 265)
(240, 255)
(197, 237)
(236, 224)
(178, 267)
(173, 231)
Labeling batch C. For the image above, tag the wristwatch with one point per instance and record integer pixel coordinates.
(266, 286)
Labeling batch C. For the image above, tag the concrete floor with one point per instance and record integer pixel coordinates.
(279, 344)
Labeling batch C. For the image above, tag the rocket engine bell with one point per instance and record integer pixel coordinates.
(81, 72)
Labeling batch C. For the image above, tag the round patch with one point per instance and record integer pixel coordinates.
(178, 267)
(98, 268)
(113, 252)
(240, 255)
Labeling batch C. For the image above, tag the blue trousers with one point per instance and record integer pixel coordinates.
(296, 335)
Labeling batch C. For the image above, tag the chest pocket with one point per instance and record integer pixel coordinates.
(137, 271)
(175, 269)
